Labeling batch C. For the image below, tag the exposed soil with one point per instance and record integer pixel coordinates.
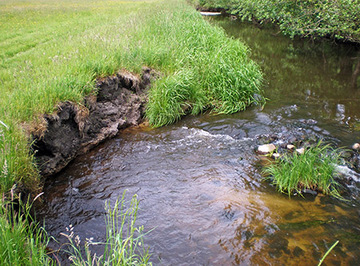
(74, 129)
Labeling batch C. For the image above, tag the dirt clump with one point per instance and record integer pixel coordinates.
(74, 129)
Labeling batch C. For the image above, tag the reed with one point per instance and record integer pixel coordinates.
(23, 240)
(328, 252)
(124, 243)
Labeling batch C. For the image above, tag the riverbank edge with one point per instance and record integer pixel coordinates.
(268, 21)
(75, 129)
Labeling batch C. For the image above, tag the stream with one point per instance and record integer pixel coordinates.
(199, 181)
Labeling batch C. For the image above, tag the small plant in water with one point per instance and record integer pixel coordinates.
(124, 241)
(314, 169)
(328, 252)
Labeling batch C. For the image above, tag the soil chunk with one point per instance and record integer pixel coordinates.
(74, 129)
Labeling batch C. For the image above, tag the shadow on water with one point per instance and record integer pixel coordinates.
(199, 181)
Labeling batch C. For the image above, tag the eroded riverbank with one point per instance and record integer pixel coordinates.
(74, 129)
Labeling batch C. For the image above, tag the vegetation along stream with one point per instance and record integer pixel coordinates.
(199, 181)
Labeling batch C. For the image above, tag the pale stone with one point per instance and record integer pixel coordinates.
(356, 146)
(276, 155)
(301, 150)
(266, 148)
(290, 147)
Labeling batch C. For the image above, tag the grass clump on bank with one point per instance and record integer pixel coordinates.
(124, 241)
(314, 169)
(23, 240)
(208, 70)
(310, 18)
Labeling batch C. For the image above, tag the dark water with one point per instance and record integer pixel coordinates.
(199, 181)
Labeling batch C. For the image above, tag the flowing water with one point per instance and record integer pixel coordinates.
(199, 181)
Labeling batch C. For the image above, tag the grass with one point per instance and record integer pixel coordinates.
(53, 51)
(124, 241)
(23, 241)
(211, 71)
(314, 169)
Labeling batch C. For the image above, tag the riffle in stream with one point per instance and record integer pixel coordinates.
(199, 181)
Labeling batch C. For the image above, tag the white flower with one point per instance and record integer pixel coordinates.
(77, 240)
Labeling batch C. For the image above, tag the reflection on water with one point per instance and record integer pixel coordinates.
(199, 181)
(322, 76)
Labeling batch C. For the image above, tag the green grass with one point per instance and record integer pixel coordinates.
(209, 70)
(22, 240)
(52, 51)
(124, 240)
(314, 169)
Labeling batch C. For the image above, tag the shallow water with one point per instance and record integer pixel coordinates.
(199, 181)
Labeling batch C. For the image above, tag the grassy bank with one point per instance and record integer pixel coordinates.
(53, 51)
(311, 18)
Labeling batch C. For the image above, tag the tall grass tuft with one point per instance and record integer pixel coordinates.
(314, 169)
(124, 240)
(205, 69)
(23, 241)
(16, 170)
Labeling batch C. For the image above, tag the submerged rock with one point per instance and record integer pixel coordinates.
(298, 252)
(309, 191)
(266, 148)
(290, 147)
(276, 155)
(356, 146)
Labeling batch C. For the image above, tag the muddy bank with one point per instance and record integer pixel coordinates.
(74, 129)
